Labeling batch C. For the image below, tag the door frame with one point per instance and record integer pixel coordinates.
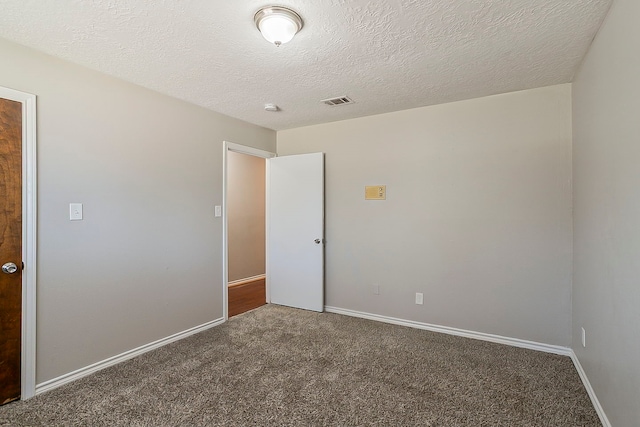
(242, 149)
(29, 230)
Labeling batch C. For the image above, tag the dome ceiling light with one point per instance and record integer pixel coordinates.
(278, 24)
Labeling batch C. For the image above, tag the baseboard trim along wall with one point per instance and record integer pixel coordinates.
(531, 345)
(247, 280)
(592, 394)
(114, 360)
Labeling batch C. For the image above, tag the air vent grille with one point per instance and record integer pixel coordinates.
(341, 100)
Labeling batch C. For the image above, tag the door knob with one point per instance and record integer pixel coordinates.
(9, 268)
(317, 241)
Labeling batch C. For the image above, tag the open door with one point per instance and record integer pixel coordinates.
(295, 231)
(18, 192)
(10, 249)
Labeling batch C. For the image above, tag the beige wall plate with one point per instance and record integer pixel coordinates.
(375, 192)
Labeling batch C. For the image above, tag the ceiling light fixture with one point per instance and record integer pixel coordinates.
(278, 24)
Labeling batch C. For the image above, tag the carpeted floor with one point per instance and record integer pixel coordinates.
(278, 366)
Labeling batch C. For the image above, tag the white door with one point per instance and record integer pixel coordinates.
(295, 231)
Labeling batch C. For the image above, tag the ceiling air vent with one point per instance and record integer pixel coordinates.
(341, 100)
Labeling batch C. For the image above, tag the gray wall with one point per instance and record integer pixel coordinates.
(146, 261)
(477, 216)
(245, 215)
(606, 153)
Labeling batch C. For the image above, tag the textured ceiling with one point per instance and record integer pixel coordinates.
(386, 55)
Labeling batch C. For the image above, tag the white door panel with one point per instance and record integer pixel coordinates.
(295, 221)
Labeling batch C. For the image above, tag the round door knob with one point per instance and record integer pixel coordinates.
(317, 241)
(9, 268)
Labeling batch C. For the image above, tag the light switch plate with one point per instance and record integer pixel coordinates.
(75, 211)
(218, 211)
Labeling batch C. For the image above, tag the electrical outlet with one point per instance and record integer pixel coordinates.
(376, 289)
(584, 338)
(419, 298)
(75, 211)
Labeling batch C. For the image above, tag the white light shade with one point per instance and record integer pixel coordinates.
(276, 29)
(278, 24)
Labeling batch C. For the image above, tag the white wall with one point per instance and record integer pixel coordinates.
(477, 216)
(606, 153)
(146, 260)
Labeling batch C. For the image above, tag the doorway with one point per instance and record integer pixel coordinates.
(18, 335)
(246, 244)
(294, 228)
(244, 229)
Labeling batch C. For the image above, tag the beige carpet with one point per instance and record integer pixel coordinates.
(278, 366)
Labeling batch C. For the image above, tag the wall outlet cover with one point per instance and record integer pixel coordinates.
(75, 211)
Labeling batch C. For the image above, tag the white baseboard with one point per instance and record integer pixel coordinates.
(87, 370)
(592, 394)
(515, 342)
(247, 280)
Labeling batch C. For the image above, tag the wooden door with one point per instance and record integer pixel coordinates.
(295, 266)
(10, 248)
